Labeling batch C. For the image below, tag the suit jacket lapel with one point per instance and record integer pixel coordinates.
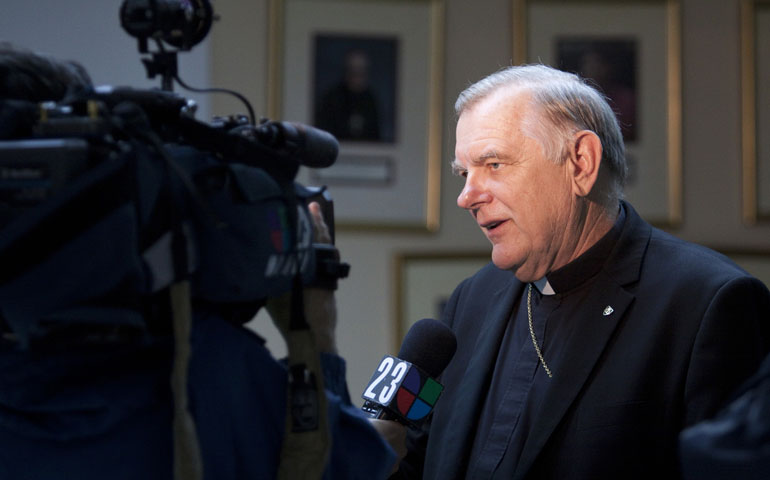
(587, 344)
(461, 425)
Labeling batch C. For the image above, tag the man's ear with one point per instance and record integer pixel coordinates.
(585, 158)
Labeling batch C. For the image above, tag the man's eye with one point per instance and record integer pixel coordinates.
(494, 165)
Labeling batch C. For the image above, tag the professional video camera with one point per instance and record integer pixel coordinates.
(111, 195)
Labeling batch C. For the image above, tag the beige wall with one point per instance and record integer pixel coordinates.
(478, 41)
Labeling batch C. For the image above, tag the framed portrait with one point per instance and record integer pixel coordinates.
(631, 52)
(755, 72)
(354, 86)
(424, 282)
(369, 72)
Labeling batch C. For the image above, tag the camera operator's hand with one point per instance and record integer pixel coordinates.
(320, 229)
(320, 304)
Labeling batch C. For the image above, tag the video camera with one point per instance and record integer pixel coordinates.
(110, 195)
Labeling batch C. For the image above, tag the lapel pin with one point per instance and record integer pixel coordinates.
(608, 310)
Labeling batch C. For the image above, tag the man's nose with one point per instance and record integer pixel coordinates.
(473, 194)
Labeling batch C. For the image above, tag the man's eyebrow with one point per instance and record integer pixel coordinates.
(489, 154)
(457, 167)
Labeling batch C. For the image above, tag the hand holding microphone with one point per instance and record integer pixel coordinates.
(402, 390)
(394, 435)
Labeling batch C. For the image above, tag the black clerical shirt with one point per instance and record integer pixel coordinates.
(519, 381)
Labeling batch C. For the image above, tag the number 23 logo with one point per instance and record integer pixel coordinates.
(388, 366)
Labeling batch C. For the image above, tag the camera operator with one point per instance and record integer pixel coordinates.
(94, 401)
(37, 77)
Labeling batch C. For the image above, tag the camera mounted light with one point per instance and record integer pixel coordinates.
(180, 23)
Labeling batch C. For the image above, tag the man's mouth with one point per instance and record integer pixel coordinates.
(491, 225)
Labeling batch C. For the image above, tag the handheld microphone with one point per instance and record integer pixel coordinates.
(403, 388)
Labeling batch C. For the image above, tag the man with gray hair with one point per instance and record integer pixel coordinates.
(592, 338)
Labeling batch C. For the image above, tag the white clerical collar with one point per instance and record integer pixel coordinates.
(544, 287)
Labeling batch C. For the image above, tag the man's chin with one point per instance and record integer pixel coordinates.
(505, 263)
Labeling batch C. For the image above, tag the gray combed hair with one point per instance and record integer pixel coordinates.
(567, 105)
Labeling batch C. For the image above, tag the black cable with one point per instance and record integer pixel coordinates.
(219, 90)
(171, 70)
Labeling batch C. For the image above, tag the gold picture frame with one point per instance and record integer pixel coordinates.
(651, 29)
(755, 106)
(380, 183)
(423, 281)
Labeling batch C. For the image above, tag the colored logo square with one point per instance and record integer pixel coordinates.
(430, 391)
(404, 400)
(413, 380)
(419, 409)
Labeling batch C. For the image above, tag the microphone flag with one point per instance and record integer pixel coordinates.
(401, 389)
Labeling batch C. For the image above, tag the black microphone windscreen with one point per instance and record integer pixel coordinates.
(430, 345)
(317, 148)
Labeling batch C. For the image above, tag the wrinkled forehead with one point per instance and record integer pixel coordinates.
(491, 120)
(497, 125)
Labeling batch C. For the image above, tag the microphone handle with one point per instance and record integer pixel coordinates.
(373, 410)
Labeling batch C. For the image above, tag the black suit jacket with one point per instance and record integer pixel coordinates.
(687, 327)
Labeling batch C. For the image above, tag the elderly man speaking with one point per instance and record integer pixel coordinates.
(592, 338)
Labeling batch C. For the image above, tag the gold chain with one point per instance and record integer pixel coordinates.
(532, 332)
